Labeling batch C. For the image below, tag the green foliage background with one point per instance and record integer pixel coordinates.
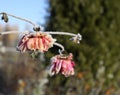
(98, 56)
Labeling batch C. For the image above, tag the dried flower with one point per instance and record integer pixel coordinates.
(5, 17)
(62, 64)
(39, 41)
(76, 38)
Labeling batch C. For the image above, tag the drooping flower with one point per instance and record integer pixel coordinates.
(76, 38)
(38, 41)
(62, 64)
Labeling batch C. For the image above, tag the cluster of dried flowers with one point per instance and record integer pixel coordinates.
(41, 42)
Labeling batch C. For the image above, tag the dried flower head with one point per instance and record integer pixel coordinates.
(62, 64)
(35, 41)
(76, 38)
(4, 17)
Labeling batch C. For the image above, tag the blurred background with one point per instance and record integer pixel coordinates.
(97, 58)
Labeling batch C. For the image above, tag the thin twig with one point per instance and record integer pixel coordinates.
(26, 20)
(61, 46)
(52, 33)
(76, 36)
(14, 32)
(60, 33)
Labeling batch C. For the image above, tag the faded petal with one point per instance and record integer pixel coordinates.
(55, 66)
(67, 68)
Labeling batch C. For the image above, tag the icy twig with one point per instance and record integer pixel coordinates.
(20, 18)
(13, 32)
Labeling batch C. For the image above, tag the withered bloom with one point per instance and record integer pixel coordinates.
(38, 41)
(63, 65)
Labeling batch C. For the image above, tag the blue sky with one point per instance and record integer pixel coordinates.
(34, 10)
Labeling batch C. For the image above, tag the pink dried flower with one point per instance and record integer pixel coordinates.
(62, 64)
(38, 41)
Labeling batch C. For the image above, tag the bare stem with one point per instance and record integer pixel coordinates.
(14, 32)
(60, 33)
(78, 36)
(47, 32)
(26, 20)
(61, 46)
